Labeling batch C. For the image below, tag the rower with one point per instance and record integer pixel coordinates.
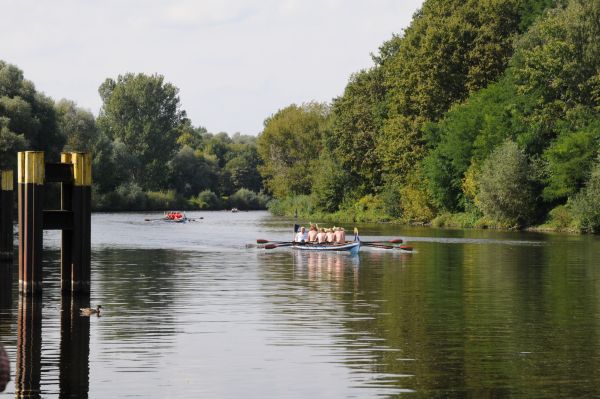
(330, 236)
(301, 236)
(312, 233)
(321, 237)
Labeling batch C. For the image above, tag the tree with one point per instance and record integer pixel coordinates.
(27, 118)
(191, 172)
(504, 186)
(144, 113)
(289, 146)
(569, 158)
(78, 126)
(586, 204)
(357, 119)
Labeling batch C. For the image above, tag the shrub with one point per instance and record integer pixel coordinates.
(586, 204)
(247, 200)
(505, 192)
(161, 200)
(206, 200)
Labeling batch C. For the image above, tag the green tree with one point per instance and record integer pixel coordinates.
(27, 118)
(505, 190)
(357, 119)
(570, 157)
(586, 204)
(191, 172)
(78, 126)
(289, 146)
(144, 113)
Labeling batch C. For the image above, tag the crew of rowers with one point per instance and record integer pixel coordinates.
(174, 215)
(334, 235)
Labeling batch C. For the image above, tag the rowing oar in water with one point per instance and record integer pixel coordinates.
(154, 220)
(263, 241)
(385, 245)
(385, 242)
(281, 244)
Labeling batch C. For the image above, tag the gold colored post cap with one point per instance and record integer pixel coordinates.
(7, 180)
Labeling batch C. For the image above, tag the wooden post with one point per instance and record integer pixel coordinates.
(28, 372)
(81, 242)
(31, 189)
(6, 215)
(66, 204)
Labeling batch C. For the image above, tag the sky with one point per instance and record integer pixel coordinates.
(235, 62)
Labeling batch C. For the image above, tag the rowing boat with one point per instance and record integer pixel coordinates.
(351, 246)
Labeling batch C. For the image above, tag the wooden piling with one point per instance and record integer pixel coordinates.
(66, 204)
(6, 215)
(31, 192)
(81, 235)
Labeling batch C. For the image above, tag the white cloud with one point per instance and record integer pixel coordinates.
(235, 61)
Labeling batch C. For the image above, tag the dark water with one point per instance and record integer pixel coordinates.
(191, 312)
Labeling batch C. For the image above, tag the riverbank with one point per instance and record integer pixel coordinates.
(561, 219)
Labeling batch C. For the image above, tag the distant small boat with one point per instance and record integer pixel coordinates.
(234, 210)
(177, 217)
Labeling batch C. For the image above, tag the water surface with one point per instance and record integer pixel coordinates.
(191, 311)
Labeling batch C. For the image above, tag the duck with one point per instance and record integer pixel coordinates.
(90, 311)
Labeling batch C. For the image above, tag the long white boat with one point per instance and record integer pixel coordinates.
(350, 246)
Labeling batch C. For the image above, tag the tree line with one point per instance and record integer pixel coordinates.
(147, 155)
(481, 113)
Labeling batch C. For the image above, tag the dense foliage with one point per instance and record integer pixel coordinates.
(146, 153)
(480, 113)
(488, 110)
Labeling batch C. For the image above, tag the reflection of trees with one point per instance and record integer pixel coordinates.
(464, 320)
(139, 283)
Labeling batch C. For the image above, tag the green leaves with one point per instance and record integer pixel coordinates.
(505, 189)
(144, 113)
(289, 146)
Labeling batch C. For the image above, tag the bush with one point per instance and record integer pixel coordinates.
(505, 192)
(162, 200)
(206, 200)
(585, 206)
(245, 199)
(299, 205)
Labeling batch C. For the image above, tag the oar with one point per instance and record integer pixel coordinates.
(263, 241)
(386, 242)
(405, 248)
(154, 220)
(283, 244)
(380, 246)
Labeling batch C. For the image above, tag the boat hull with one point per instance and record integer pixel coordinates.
(352, 247)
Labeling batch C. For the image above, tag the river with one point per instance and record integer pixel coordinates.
(191, 310)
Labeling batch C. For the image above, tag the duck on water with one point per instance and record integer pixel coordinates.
(91, 311)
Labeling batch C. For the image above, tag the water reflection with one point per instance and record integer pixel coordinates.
(74, 348)
(491, 316)
(331, 266)
(5, 306)
(29, 347)
(5, 288)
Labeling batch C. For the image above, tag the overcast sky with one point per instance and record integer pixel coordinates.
(235, 61)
